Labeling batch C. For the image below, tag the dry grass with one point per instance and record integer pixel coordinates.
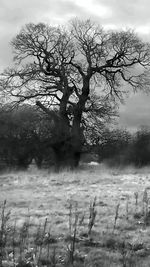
(122, 209)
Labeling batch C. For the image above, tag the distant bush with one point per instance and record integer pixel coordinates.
(141, 147)
(119, 147)
(25, 134)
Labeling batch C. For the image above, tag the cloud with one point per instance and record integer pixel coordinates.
(15, 14)
(128, 13)
(112, 14)
(93, 8)
(135, 112)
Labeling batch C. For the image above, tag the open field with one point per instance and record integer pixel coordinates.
(121, 231)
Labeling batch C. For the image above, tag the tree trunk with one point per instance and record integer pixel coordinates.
(66, 139)
(68, 148)
(67, 158)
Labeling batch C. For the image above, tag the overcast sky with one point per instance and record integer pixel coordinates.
(111, 14)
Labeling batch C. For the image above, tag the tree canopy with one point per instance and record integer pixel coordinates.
(75, 74)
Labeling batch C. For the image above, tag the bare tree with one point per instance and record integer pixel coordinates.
(79, 71)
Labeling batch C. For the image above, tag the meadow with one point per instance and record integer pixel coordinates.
(92, 217)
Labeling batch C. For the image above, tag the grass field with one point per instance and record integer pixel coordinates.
(120, 235)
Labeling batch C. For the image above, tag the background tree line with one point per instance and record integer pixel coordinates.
(26, 134)
(120, 147)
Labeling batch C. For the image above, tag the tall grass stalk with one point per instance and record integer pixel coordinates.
(42, 240)
(92, 216)
(127, 208)
(116, 215)
(136, 195)
(73, 227)
(70, 218)
(3, 231)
